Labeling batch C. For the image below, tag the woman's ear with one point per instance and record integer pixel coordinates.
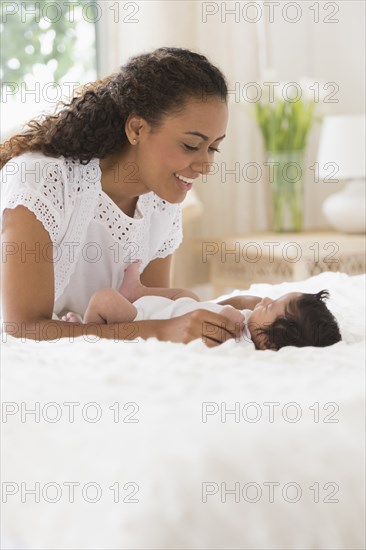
(135, 127)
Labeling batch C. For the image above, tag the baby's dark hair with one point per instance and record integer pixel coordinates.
(307, 322)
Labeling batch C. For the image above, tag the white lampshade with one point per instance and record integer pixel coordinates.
(343, 142)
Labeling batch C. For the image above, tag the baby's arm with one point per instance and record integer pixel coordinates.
(173, 293)
(241, 302)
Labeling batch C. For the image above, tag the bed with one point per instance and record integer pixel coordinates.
(156, 445)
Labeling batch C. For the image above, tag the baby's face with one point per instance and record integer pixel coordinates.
(266, 312)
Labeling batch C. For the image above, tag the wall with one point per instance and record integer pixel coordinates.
(320, 50)
(325, 52)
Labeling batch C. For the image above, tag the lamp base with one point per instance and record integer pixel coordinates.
(346, 210)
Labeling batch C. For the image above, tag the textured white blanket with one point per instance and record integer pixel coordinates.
(153, 445)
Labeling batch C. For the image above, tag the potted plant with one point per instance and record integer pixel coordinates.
(285, 125)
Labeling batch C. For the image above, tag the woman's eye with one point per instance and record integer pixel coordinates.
(190, 148)
(211, 149)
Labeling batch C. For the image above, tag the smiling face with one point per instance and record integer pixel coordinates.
(266, 312)
(179, 150)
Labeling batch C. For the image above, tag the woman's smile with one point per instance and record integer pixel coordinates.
(183, 182)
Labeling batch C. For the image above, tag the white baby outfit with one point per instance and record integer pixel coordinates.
(158, 307)
(93, 240)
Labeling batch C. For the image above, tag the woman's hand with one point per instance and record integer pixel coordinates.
(212, 328)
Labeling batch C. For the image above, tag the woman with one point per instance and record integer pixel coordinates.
(98, 185)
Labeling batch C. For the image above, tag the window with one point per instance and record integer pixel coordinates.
(48, 49)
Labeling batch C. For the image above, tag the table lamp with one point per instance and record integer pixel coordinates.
(342, 143)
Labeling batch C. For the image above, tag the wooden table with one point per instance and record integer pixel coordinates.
(239, 261)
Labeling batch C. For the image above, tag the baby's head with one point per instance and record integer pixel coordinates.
(295, 319)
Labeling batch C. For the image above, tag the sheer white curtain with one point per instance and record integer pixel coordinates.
(317, 46)
(232, 204)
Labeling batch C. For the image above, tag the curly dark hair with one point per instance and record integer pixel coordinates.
(307, 322)
(92, 124)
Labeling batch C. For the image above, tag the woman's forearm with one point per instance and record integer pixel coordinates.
(211, 327)
(49, 329)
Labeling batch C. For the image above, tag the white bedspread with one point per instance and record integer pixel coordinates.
(293, 453)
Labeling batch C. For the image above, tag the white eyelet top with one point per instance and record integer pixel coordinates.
(93, 240)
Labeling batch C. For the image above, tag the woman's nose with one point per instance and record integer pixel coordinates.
(266, 301)
(202, 165)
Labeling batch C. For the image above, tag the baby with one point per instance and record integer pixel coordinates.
(294, 319)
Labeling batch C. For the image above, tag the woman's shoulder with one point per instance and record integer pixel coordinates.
(54, 188)
(31, 170)
(30, 162)
(38, 172)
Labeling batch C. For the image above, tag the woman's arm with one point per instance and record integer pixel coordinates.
(28, 296)
(27, 268)
(158, 271)
(212, 328)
